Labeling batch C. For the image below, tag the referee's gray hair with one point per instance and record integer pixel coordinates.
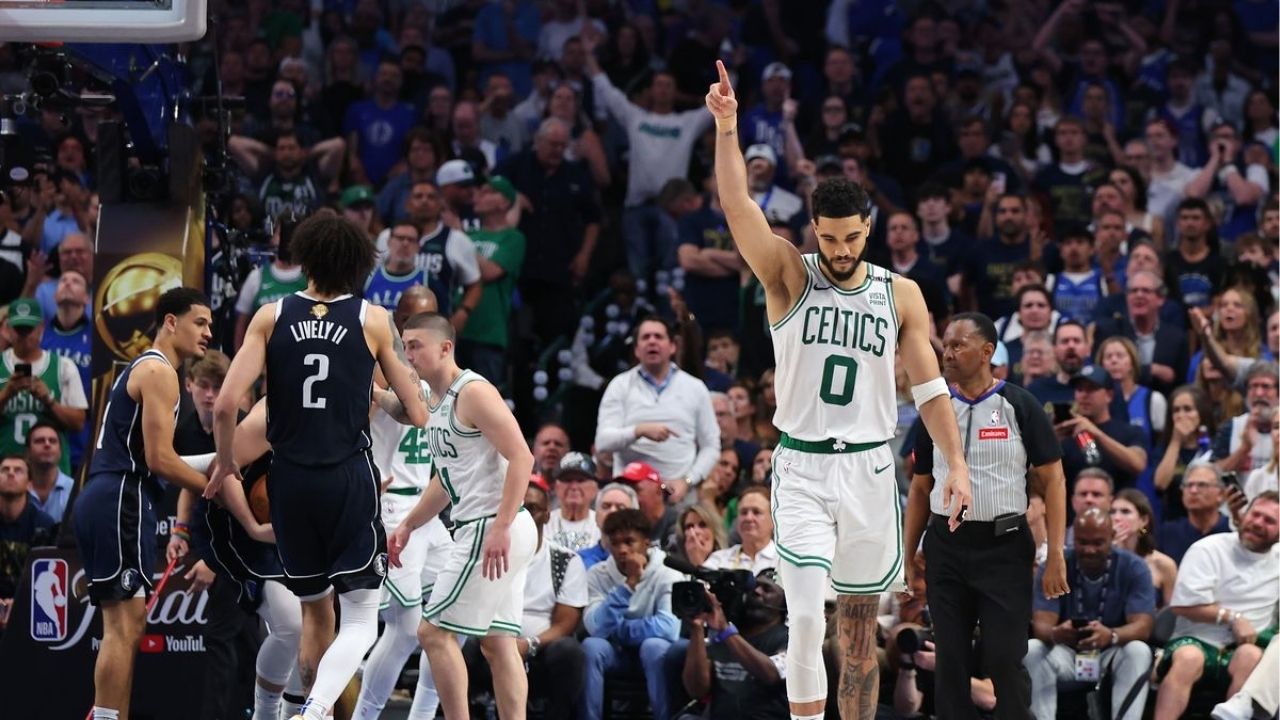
(1203, 465)
(626, 489)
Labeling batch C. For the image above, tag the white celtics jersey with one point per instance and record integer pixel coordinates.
(835, 354)
(470, 468)
(400, 451)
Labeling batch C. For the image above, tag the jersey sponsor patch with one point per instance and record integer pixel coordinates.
(993, 433)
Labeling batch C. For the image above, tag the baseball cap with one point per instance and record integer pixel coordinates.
(1093, 374)
(829, 163)
(576, 463)
(637, 472)
(851, 131)
(355, 195)
(455, 172)
(24, 312)
(775, 69)
(761, 150)
(504, 187)
(536, 480)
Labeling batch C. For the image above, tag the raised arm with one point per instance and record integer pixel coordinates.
(932, 397)
(774, 261)
(155, 385)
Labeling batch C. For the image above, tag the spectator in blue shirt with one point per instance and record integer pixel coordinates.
(50, 488)
(628, 617)
(614, 496)
(1202, 495)
(23, 527)
(377, 127)
(763, 123)
(1113, 592)
(63, 203)
(505, 41)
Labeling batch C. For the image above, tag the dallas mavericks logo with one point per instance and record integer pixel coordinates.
(380, 564)
(130, 580)
(49, 600)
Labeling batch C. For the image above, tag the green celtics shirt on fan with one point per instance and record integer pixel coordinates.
(24, 409)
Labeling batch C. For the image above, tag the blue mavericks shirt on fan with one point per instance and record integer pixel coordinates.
(1075, 300)
(120, 449)
(385, 289)
(319, 380)
(76, 345)
(442, 279)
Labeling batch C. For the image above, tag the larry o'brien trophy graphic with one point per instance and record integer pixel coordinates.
(142, 251)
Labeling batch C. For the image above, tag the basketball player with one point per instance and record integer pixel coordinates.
(231, 542)
(836, 322)
(483, 465)
(115, 519)
(319, 348)
(404, 459)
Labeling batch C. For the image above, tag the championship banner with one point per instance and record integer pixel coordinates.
(142, 251)
(49, 647)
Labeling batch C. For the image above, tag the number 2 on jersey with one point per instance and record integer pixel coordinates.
(837, 386)
(322, 372)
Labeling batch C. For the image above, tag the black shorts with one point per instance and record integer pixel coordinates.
(115, 529)
(328, 524)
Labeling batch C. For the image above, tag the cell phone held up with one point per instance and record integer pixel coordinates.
(1061, 413)
(1231, 480)
(22, 370)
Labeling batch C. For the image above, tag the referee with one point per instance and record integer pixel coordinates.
(982, 572)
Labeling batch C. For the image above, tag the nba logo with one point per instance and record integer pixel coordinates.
(49, 600)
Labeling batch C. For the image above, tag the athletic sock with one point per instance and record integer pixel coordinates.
(100, 713)
(291, 705)
(819, 716)
(266, 703)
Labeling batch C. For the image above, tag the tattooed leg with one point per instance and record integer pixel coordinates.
(317, 633)
(860, 671)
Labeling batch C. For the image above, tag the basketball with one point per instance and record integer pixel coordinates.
(258, 501)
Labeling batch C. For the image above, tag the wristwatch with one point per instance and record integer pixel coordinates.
(1115, 639)
(534, 644)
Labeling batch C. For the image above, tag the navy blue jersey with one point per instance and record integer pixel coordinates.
(442, 277)
(120, 449)
(319, 380)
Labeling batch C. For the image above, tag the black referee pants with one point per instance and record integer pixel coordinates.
(975, 578)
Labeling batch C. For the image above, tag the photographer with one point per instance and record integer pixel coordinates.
(270, 282)
(1099, 629)
(749, 663)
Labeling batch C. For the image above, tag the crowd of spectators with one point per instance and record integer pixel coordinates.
(1098, 178)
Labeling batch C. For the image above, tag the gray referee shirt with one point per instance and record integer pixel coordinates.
(1005, 431)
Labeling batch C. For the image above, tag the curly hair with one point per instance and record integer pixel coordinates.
(335, 255)
(840, 198)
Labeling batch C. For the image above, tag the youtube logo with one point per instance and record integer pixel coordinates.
(151, 644)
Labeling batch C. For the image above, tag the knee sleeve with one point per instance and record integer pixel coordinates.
(282, 612)
(805, 588)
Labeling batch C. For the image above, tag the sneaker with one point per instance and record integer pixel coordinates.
(1237, 707)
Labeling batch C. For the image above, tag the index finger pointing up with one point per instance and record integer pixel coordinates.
(725, 88)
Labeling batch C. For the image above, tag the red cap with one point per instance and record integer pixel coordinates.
(638, 472)
(539, 482)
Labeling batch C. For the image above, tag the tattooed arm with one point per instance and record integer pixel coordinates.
(408, 404)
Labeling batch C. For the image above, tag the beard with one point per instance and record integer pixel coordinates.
(835, 274)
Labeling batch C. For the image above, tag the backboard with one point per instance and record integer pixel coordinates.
(102, 21)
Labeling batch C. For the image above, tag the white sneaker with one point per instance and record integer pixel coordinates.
(1237, 707)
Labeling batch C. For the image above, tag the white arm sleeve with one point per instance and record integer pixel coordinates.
(461, 253)
(70, 387)
(248, 291)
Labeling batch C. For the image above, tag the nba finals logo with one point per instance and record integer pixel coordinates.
(49, 600)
